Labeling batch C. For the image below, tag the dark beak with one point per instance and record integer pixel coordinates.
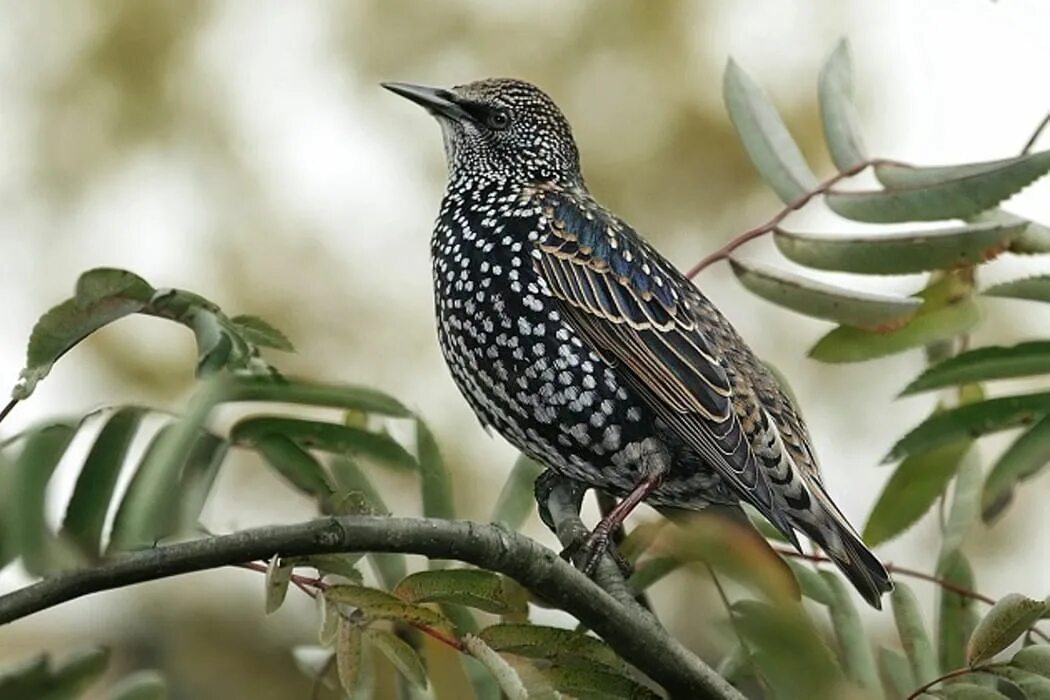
(437, 101)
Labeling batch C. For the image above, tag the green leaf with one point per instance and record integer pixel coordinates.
(970, 421)
(1033, 239)
(148, 511)
(811, 583)
(380, 605)
(933, 194)
(896, 673)
(39, 680)
(835, 90)
(348, 655)
(912, 489)
(103, 295)
(650, 571)
(956, 614)
(966, 504)
(259, 332)
(344, 396)
(86, 512)
(401, 655)
(141, 685)
(299, 467)
(595, 683)
(897, 253)
(554, 643)
(771, 631)
(516, 500)
(434, 477)
(26, 529)
(390, 568)
(1005, 622)
(214, 344)
(765, 137)
(858, 661)
(198, 477)
(1035, 288)
(278, 576)
(474, 588)
(822, 300)
(971, 691)
(509, 682)
(912, 632)
(1035, 658)
(931, 324)
(329, 437)
(984, 364)
(1032, 685)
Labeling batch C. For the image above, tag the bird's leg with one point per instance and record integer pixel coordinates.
(545, 483)
(655, 465)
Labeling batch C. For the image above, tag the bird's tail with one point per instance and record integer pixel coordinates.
(829, 529)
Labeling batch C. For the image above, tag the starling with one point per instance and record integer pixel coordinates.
(577, 341)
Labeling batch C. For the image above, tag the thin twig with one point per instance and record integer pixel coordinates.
(940, 679)
(1035, 135)
(736, 630)
(904, 571)
(750, 235)
(7, 409)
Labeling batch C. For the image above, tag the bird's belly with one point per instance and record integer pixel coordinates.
(526, 373)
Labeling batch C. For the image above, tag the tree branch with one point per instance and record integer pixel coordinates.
(635, 636)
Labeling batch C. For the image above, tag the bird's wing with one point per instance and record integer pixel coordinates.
(631, 304)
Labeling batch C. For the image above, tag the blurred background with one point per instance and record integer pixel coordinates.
(243, 150)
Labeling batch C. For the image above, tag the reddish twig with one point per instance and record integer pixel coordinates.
(904, 571)
(940, 679)
(1035, 135)
(311, 586)
(750, 235)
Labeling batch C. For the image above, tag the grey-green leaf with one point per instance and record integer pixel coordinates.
(1035, 288)
(971, 691)
(259, 332)
(966, 504)
(934, 194)
(971, 420)
(912, 490)
(839, 115)
(86, 513)
(295, 464)
(278, 576)
(858, 661)
(344, 396)
(913, 635)
(956, 615)
(401, 655)
(765, 137)
(435, 484)
(983, 365)
(141, 685)
(810, 582)
(516, 501)
(1035, 658)
(813, 298)
(896, 673)
(474, 588)
(1004, 623)
(897, 253)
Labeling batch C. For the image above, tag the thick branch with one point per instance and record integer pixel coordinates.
(638, 638)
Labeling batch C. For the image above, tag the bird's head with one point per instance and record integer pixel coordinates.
(500, 128)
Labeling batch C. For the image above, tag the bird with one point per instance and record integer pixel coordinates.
(577, 341)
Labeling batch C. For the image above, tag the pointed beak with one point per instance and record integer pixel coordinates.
(437, 101)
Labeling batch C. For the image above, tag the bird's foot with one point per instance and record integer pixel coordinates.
(586, 553)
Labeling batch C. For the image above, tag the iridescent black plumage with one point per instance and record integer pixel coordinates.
(589, 351)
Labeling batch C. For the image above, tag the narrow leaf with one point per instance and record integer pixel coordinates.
(595, 683)
(971, 691)
(259, 332)
(956, 614)
(76, 674)
(140, 685)
(474, 588)
(1035, 288)
(933, 194)
(1035, 658)
(103, 295)
(811, 582)
(278, 576)
(897, 253)
(435, 485)
(765, 137)
(913, 636)
(985, 364)
(540, 642)
(813, 298)
(330, 437)
(348, 656)
(912, 490)
(516, 501)
(1032, 685)
(344, 396)
(836, 109)
(295, 464)
(858, 661)
(1033, 239)
(198, 478)
(896, 673)
(972, 420)
(966, 504)
(86, 512)
(380, 605)
(328, 631)
(1004, 623)
(401, 655)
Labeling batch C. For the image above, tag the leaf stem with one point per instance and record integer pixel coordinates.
(1035, 135)
(940, 679)
(751, 234)
(921, 575)
(7, 409)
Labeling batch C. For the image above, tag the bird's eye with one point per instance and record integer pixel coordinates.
(498, 119)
